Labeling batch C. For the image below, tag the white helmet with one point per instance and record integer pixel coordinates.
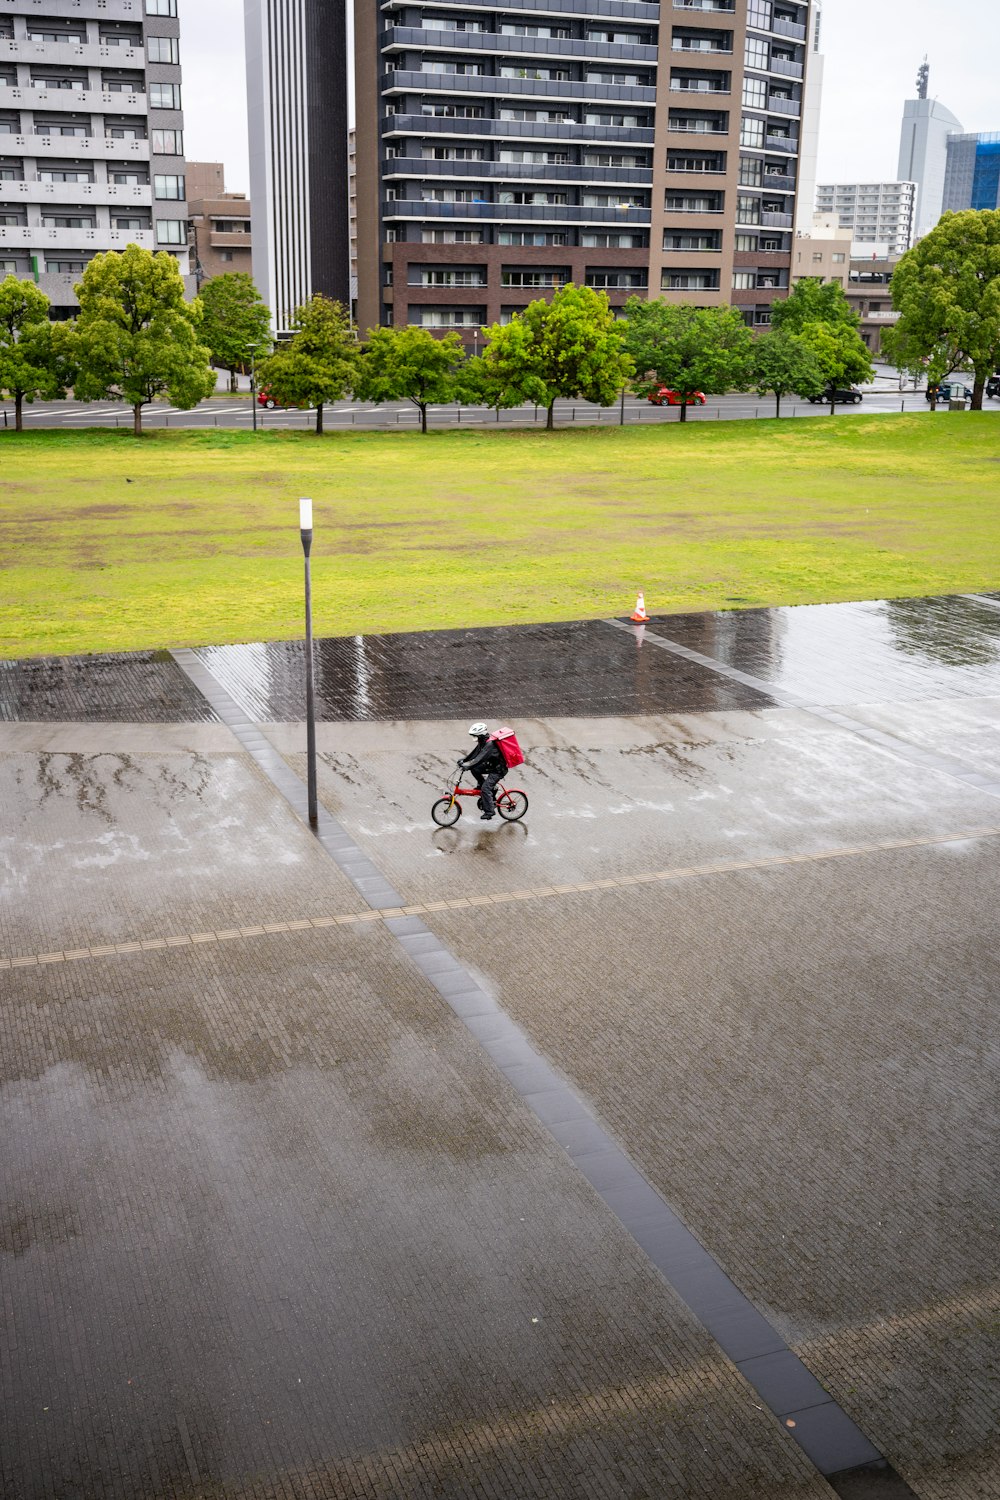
(478, 728)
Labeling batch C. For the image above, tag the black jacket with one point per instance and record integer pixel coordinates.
(486, 758)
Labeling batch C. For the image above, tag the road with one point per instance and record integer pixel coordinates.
(236, 412)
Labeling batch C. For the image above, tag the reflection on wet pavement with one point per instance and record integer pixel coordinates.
(138, 687)
(887, 651)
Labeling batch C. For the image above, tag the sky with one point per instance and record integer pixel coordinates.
(872, 48)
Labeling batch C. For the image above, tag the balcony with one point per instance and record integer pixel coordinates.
(81, 147)
(613, 10)
(712, 7)
(704, 49)
(788, 28)
(787, 144)
(78, 101)
(518, 171)
(785, 69)
(553, 213)
(398, 38)
(76, 193)
(79, 241)
(567, 130)
(779, 180)
(70, 54)
(881, 317)
(701, 87)
(776, 221)
(784, 106)
(401, 82)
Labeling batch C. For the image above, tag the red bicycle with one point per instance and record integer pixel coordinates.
(511, 802)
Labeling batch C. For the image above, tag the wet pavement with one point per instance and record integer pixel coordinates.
(305, 1198)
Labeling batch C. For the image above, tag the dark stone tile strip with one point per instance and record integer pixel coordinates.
(822, 1429)
(341, 848)
(930, 760)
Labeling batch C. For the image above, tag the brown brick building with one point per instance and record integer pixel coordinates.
(218, 223)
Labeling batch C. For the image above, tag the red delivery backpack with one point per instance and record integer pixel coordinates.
(509, 748)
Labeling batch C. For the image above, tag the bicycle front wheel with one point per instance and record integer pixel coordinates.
(446, 811)
(512, 805)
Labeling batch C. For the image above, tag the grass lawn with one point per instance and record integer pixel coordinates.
(107, 543)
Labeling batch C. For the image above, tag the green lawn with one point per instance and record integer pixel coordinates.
(187, 537)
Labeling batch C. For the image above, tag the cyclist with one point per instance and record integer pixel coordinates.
(487, 765)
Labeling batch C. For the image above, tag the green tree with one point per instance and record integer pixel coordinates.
(410, 364)
(235, 321)
(947, 292)
(841, 353)
(569, 346)
(688, 348)
(820, 314)
(813, 301)
(783, 363)
(319, 362)
(135, 337)
(34, 356)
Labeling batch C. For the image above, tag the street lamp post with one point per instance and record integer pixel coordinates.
(253, 383)
(306, 532)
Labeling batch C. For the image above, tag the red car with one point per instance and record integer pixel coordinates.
(666, 397)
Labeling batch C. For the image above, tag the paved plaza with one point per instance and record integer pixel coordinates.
(645, 1148)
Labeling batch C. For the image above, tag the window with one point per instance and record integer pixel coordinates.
(447, 275)
(163, 49)
(746, 242)
(751, 132)
(131, 222)
(11, 268)
(754, 93)
(56, 127)
(451, 153)
(624, 122)
(16, 216)
(510, 28)
(225, 255)
(756, 52)
(693, 203)
(161, 7)
(168, 143)
(747, 209)
(40, 81)
(534, 276)
(532, 237)
(689, 281)
(447, 195)
(450, 23)
(168, 187)
(712, 240)
(543, 75)
(601, 240)
(171, 232)
(127, 178)
(543, 116)
(615, 159)
(742, 280)
(614, 200)
(448, 236)
(450, 111)
(617, 280)
(751, 171)
(123, 85)
(516, 195)
(534, 158)
(759, 14)
(65, 174)
(66, 267)
(624, 38)
(838, 257)
(447, 317)
(124, 132)
(164, 96)
(435, 65)
(628, 80)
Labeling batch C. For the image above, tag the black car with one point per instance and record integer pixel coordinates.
(993, 387)
(846, 395)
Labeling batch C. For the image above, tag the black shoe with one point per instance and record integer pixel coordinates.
(486, 818)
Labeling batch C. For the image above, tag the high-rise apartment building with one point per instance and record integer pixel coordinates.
(624, 144)
(878, 214)
(296, 56)
(91, 137)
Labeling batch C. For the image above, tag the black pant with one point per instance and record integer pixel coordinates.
(487, 790)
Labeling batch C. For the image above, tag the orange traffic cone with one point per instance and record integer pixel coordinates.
(639, 614)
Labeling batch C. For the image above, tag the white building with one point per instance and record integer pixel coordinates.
(812, 103)
(878, 214)
(296, 57)
(923, 157)
(91, 137)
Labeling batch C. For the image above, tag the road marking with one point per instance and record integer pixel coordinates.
(707, 870)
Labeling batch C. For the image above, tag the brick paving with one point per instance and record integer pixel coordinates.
(273, 1224)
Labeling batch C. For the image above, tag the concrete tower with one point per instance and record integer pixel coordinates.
(923, 152)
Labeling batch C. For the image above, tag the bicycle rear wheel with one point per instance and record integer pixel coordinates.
(512, 805)
(446, 811)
